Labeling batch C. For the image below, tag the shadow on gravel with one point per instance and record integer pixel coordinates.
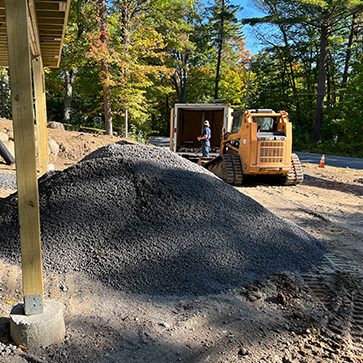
(149, 227)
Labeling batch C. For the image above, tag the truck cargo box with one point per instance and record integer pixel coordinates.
(187, 124)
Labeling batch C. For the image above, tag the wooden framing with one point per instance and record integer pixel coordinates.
(41, 115)
(31, 33)
(26, 168)
(47, 25)
(33, 30)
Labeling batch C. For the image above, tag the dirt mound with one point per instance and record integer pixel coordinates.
(141, 219)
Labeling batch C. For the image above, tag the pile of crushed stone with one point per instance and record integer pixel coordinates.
(144, 220)
(8, 181)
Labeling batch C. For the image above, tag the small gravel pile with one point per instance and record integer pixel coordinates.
(142, 219)
(8, 181)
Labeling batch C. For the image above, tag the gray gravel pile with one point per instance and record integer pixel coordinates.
(144, 220)
(8, 181)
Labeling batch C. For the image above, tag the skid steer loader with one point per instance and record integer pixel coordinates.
(260, 144)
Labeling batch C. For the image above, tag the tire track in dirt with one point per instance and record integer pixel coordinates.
(337, 285)
(338, 281)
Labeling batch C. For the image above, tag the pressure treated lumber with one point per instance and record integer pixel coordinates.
(26, 170)
(41, 115)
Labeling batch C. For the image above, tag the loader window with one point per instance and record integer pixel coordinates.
(237, 122)
(266, 124)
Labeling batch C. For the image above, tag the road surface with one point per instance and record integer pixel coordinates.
(160, 141)
(330, 160)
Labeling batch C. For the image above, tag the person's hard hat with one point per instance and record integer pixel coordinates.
(206, 123)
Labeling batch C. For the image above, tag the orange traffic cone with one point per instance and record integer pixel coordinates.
(322, 161)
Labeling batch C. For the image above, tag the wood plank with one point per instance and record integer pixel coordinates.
(50, 48)
(50, 14)
(67, 7)
(51, 42)
(50, 1)
(33, 29)
(47, 6)
(50, 27)
(50, 63)
(50, 22)
(26, 168)
(49, 33)
(41, 115)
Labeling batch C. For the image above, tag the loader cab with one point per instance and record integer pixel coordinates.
(264, 124)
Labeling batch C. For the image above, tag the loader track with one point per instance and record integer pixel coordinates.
(295, 176)
(233, 169)
(227, 167)
(338, 286)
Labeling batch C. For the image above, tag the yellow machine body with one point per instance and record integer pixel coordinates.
(261, 152)
(260, 143)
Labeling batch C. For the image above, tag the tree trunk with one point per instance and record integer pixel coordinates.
(329, 83)
(176, 86)
(183, 82)
(220, 46)
(126, 18)
(319, 108)
(349, 53)
(3, 107)
(126, 122)
(69, 79)
(180, 86)
(216, 88)
(105, 70)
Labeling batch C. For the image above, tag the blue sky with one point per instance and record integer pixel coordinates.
(252, 44)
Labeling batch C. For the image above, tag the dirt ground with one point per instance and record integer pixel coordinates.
(287, 318)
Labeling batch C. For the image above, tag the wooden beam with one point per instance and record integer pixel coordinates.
(50, 14)
(33, 30)
(50, 23)
(41, 115)
(66, 9)
(26, 168)
(50, 27)
(47, 6)
(50, 1)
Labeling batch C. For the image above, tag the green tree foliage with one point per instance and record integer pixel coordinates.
(86, 87)
(160, 52)
(6, 110)
(225, 29)
(134, 56)
(310, 50)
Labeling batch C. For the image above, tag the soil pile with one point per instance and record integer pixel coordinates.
(142, 219)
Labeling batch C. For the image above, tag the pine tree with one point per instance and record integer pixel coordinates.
(225, 27)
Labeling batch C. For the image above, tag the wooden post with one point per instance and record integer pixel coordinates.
(41, 115)
(26, 168)
(171, 128)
